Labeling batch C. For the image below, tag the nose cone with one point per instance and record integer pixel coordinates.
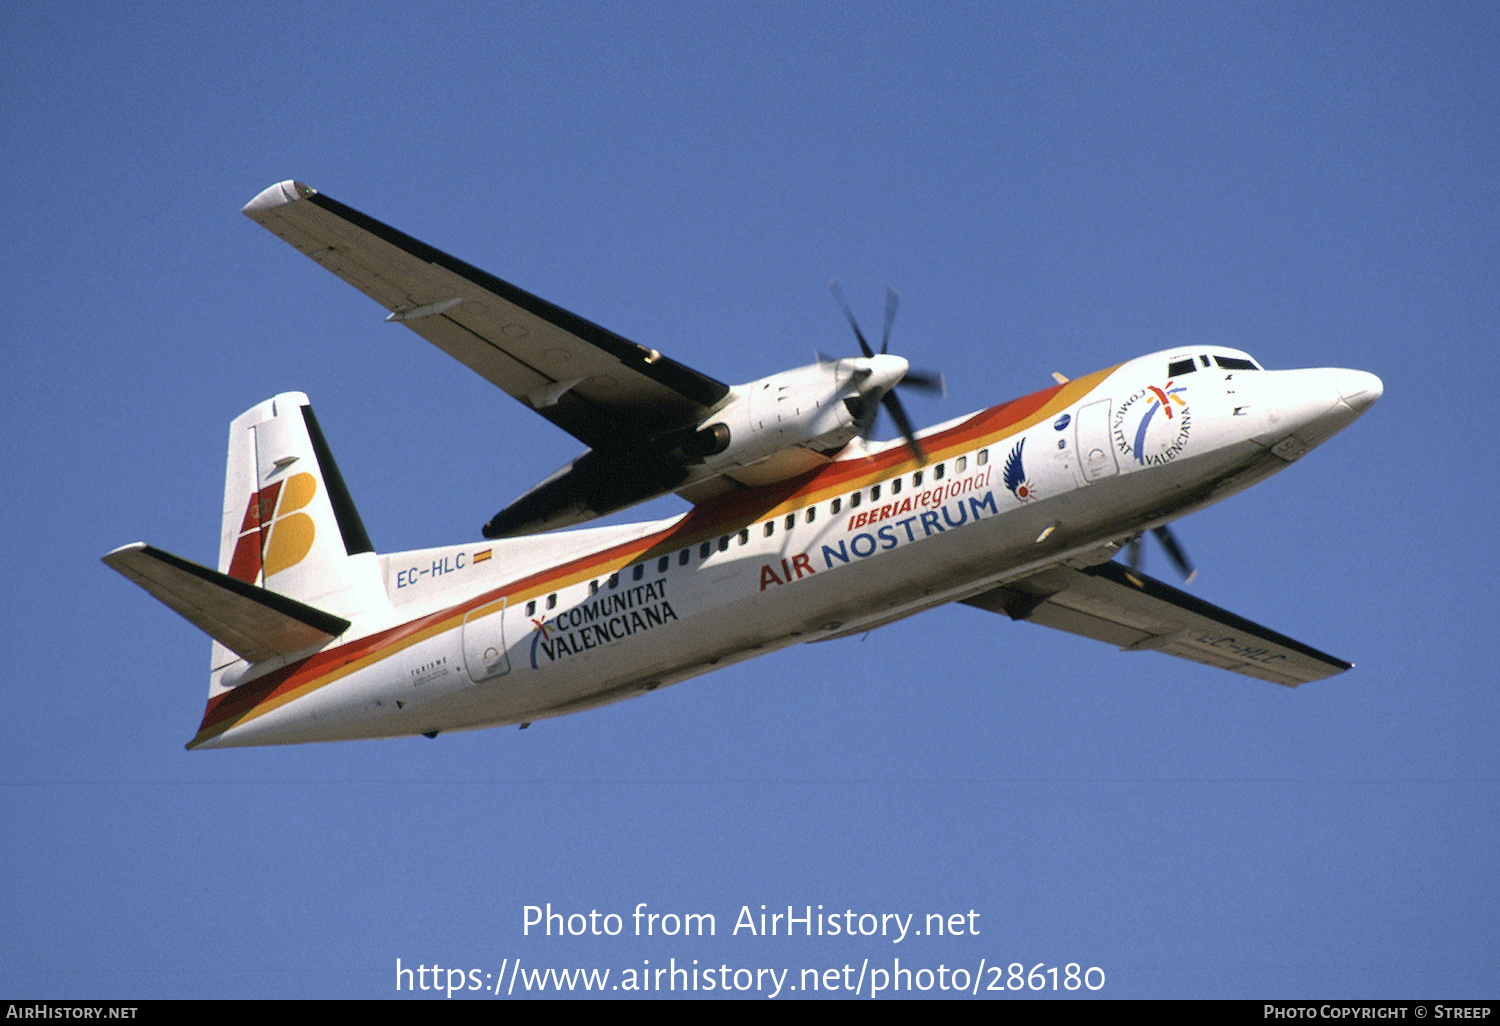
(1359, 389)
(1307, 407)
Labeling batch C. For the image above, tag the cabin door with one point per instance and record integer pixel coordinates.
(1096, 456)
(484, 643)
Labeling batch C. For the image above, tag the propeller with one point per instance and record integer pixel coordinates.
(1174, 552)
(921, 380)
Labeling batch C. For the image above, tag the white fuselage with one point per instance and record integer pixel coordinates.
(511, 631)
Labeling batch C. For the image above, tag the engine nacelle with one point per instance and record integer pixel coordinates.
(768, 430)
(803, 407)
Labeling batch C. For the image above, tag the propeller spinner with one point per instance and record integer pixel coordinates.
(884, 375)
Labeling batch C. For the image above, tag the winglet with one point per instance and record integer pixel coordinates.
(278, 195)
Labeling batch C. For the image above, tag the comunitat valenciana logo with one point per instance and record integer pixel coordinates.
(275, 534)
(1152, 426)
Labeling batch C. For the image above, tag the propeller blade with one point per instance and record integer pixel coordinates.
(898, 414)
(1169, 542)
(859, 406)
(925, 381)
(838, 294)
(891, 299)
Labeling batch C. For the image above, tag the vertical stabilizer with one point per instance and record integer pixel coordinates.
(289, 524)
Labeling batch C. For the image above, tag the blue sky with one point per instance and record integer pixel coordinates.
(1051, 188)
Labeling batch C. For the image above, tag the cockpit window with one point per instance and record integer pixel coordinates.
(1235, 363)
(1177, 368)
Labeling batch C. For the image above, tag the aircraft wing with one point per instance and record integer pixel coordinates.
(1126, 608)
(610, 393)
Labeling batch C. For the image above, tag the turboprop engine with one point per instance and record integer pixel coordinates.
(763, 431)
(767, 430)
(821, 407)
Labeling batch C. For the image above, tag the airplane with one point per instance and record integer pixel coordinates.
(802, 527)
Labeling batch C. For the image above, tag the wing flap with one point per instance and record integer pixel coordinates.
(254, 623)
(470, 348)
(1134, 612)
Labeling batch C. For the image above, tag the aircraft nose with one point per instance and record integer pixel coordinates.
(1309, 406)
(1359, 389)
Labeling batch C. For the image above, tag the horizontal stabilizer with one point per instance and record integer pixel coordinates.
(1126, 608)
(254, 623)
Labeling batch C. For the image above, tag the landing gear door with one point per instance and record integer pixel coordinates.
(1096, 456)
(484, 643)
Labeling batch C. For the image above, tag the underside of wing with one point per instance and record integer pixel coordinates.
(1126, 608)
(607, 391)
(254, 623)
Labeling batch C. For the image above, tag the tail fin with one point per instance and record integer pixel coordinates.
(296, 568)
(289, 524)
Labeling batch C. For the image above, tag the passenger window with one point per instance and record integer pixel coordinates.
(684, 557)
(874, 492)
(594, 587)
(531, 608)
(552, 601)
(937, 472)
(770, 528)
(984, 457)
(835, 505)
(896, 487)
(638, 572)
(663, 563)
(812, 512)
(724, 543)
(959, 464)
(791, 521)
(744, 536)
(916, 479)
(614, 579)
(854, 501)
(705, 549)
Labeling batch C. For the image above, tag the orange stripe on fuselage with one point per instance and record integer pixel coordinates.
(723, 514)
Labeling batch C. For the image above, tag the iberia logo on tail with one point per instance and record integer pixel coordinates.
(275, 534)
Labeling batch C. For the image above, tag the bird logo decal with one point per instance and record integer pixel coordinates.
(1015, 474)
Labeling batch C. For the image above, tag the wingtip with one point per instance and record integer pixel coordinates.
(278, 195)
(111, 557)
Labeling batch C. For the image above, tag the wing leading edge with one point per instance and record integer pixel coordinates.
(1135, 612)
